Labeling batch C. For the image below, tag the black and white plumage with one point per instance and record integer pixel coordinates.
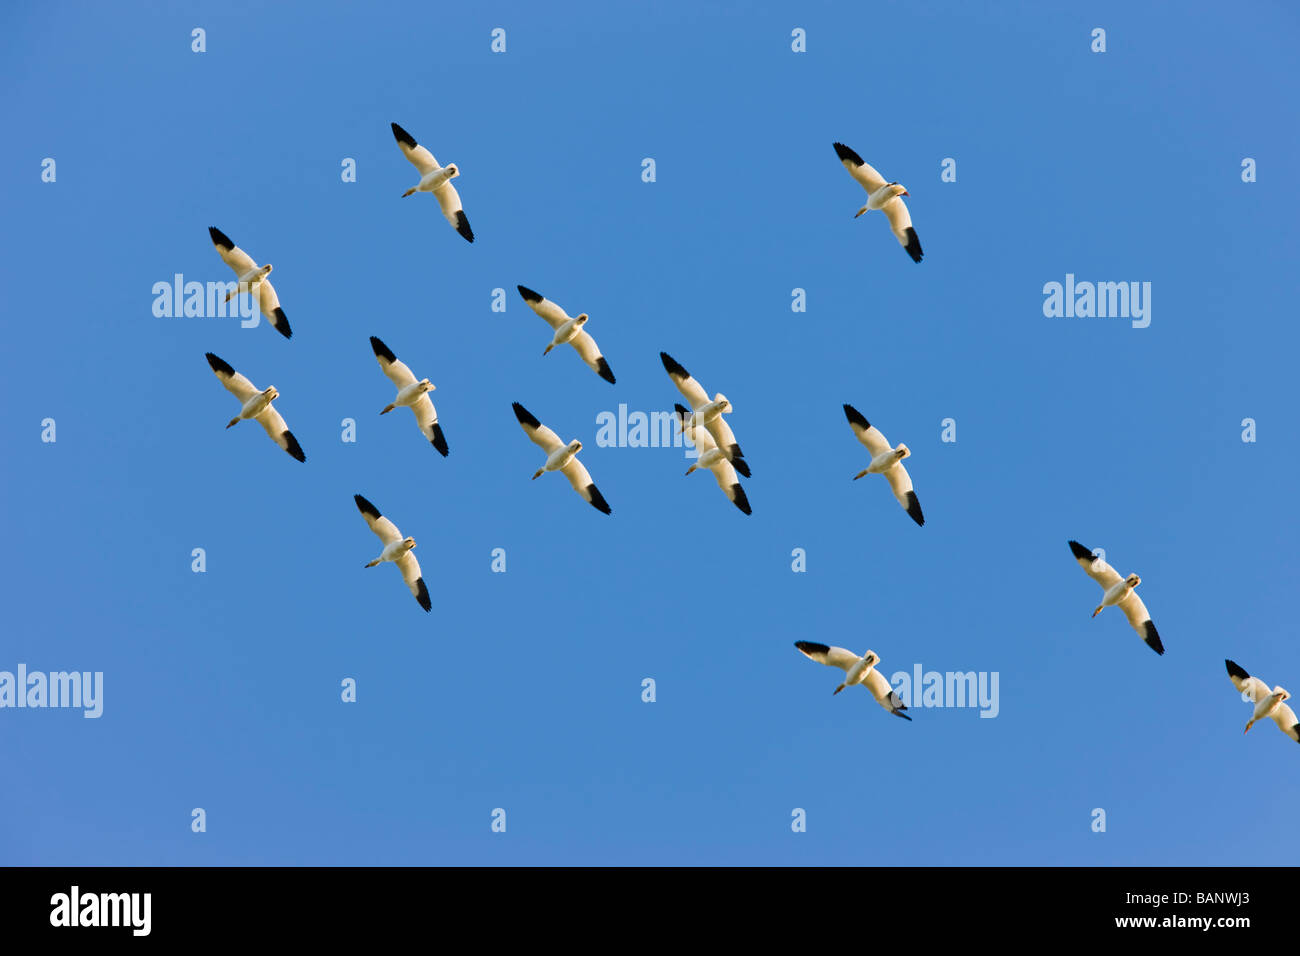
(568, 329)
(256, 405)
(561, 457)
(412, 394)
(858, 670)
(712, 458)
(885, 196)
(1268, 703)
(396, 549)
(1119, 592)
(707, 412)
(435, 179)
(252, 279)
(886, 461)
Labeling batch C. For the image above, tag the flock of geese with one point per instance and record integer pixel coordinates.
(702, 424)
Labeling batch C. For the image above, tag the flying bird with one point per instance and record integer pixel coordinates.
(412, 394)
(860, 670)
(435, 179)
(707, 413)
(252, 279)
(1119, 593)
(396, 549)
(883, 196)
(256, 405)
(561, 457)
(886, 461)
(568, 329)
(1268, 703)
(712, 458)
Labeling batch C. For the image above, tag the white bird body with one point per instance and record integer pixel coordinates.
(1268, 703)
(858, 670)
(561, 457)
(436, 180)
(251, 278)
(883, 196)
(569, 330)
(397, 549)
(255, 405)
(411, 394)
(885, 461)
(1119, 592)
(707, 412)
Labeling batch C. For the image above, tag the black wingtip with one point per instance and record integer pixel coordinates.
(812, 647)
(604, 370)
(280, 323)
(525, 416)
(528, 294)
(423, 595)
(1235, 670)
(843, 152)
(219, 365)
(741, 466)
(439, 441)
(855, 417)
(365, 507)
(681, 409)
(1152, 638)
(914, 508)
(219, 238)
(671, 366)
(403, 137)
(462, 226)
(381, 350)
(1080, 552)
(294, 449)
(913, 246)
(739, 498)
(899, 713)
(598, 500)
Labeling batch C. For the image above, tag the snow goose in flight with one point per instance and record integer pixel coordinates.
(860, 670)
(414, 395)
(435, 179)
(1268, 703)
(883, 196)
(1119, 593)
(396, 549)
(886, 461)
(252, 279)
(256, 405)
(568, 329)
(707, 413)
(712, 458)
(561, 457)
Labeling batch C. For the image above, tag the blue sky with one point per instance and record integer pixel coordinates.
(522, 690)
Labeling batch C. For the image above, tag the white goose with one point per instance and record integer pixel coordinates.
(886, 461)
(252, 279)
(568, 329)
(1119, 593)
(883, 196)
(256, 405)
(860, 670)
(411, 394)
(435, 179)
(707, 412)
(712, 458)
(1268, 703)
(561, 457)
(396, 549)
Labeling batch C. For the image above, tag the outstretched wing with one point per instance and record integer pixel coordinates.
(900, 221)
(1140, 619)
(427, 418)
(410, 569)
(420, 157)
(238, 260)
(863, 172)
(580, 478)
(1097, 569)
(538, 433)
(1286, 722)
(397, 372)
(235, 383)
(901, 482)
(381, 526)
(586, 347)
(867, 433)
(548, 310)
(1253, 688)
(452, 210)
(691, 390)
(830, 656)
(270, 419)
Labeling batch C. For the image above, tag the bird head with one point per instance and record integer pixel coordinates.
(871, 658)
(1132, 580)
(581, 320)
(452, 170)
(575, 446)
(266, 269)
(1280, 693)
(408, 543)
(721, 401)
(902, 451)
(272, 393)
(898, 189)
(426, 385)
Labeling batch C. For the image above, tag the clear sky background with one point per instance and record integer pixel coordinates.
(522, 690)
